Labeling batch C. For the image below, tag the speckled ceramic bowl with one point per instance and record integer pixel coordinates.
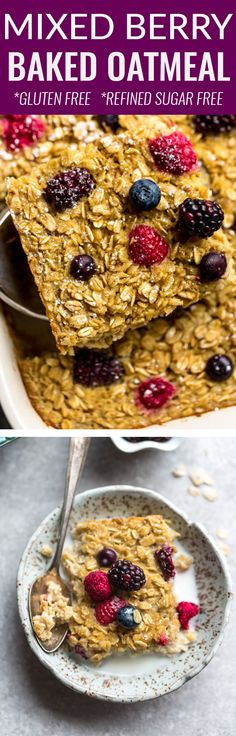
(141, 677)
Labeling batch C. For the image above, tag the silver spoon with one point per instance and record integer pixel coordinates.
(77, 454)
(17, 287)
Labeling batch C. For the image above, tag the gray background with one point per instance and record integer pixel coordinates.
(31, 483)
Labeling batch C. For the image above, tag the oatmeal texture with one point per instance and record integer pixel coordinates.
(176, 348)
(134, 539)
(61, 132)
(122, 294)
(54, 609)
(217, 153)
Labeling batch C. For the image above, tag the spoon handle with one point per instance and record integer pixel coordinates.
(77, 454)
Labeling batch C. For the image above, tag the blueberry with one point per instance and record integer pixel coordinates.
(82, 267)
(219, 367)
(109, 121)
(106, 557)
(212, 266)
(144, 194)
(129, 617)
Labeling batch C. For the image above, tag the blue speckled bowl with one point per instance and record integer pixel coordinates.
(130, 678)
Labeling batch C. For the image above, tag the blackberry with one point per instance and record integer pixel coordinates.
(163, 557)
(200, 217)
(124, 575)
(94, 368)
(144, 194)
(219, 368)
(212, 266)
(109, 121)
(207, 124)
(82, 267)
(67, 187)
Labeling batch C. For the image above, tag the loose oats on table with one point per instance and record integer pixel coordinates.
(106, 257)
(129, 605)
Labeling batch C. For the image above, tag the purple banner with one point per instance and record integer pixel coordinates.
(125, 57)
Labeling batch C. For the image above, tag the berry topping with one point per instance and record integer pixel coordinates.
(129, 617)
(106, 557)
(219, 367)
(82, 267)
(67, 187)
(163, 557)
(20, 131)
(146, 246)
(200, 217)
(212, 266)
(78, 649)
(163, 641)
(109, 121)
(97, 585)
(207, 124)
(94, 368)
(186, 611)
(173, 153)
(107, 611)
(155, 392)
(144, 194)
(124, 575)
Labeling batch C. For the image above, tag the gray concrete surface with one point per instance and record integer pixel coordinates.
(34, 703)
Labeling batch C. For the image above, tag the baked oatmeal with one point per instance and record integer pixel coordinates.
(121, 573)
(214, 140)
(118, 233)
(165, 371)
(29, 140)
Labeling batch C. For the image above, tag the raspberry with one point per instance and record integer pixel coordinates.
(107, 611)
(212, 266)
(68, 187)
(173, 153)
(200, 217)
(97, 585)
(186, 611)
(146, 245)
(106, 557)
(20, 131)
(93, 368)
(207, 124)
(163, 557)
(163, 641)
(155, 392)
(82, 267)
(126, 576)
(109, 121)
(219, 368)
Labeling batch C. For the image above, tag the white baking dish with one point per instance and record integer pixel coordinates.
(22, 416)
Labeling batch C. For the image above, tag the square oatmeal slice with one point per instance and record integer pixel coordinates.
(107, 256)
(92, 633)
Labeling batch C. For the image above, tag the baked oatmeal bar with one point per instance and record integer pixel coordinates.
(214, 140)
(29, 140)
(121, 572)
(103, 261)
(73, 393)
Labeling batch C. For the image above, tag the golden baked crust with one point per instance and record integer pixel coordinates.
(122, 294)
